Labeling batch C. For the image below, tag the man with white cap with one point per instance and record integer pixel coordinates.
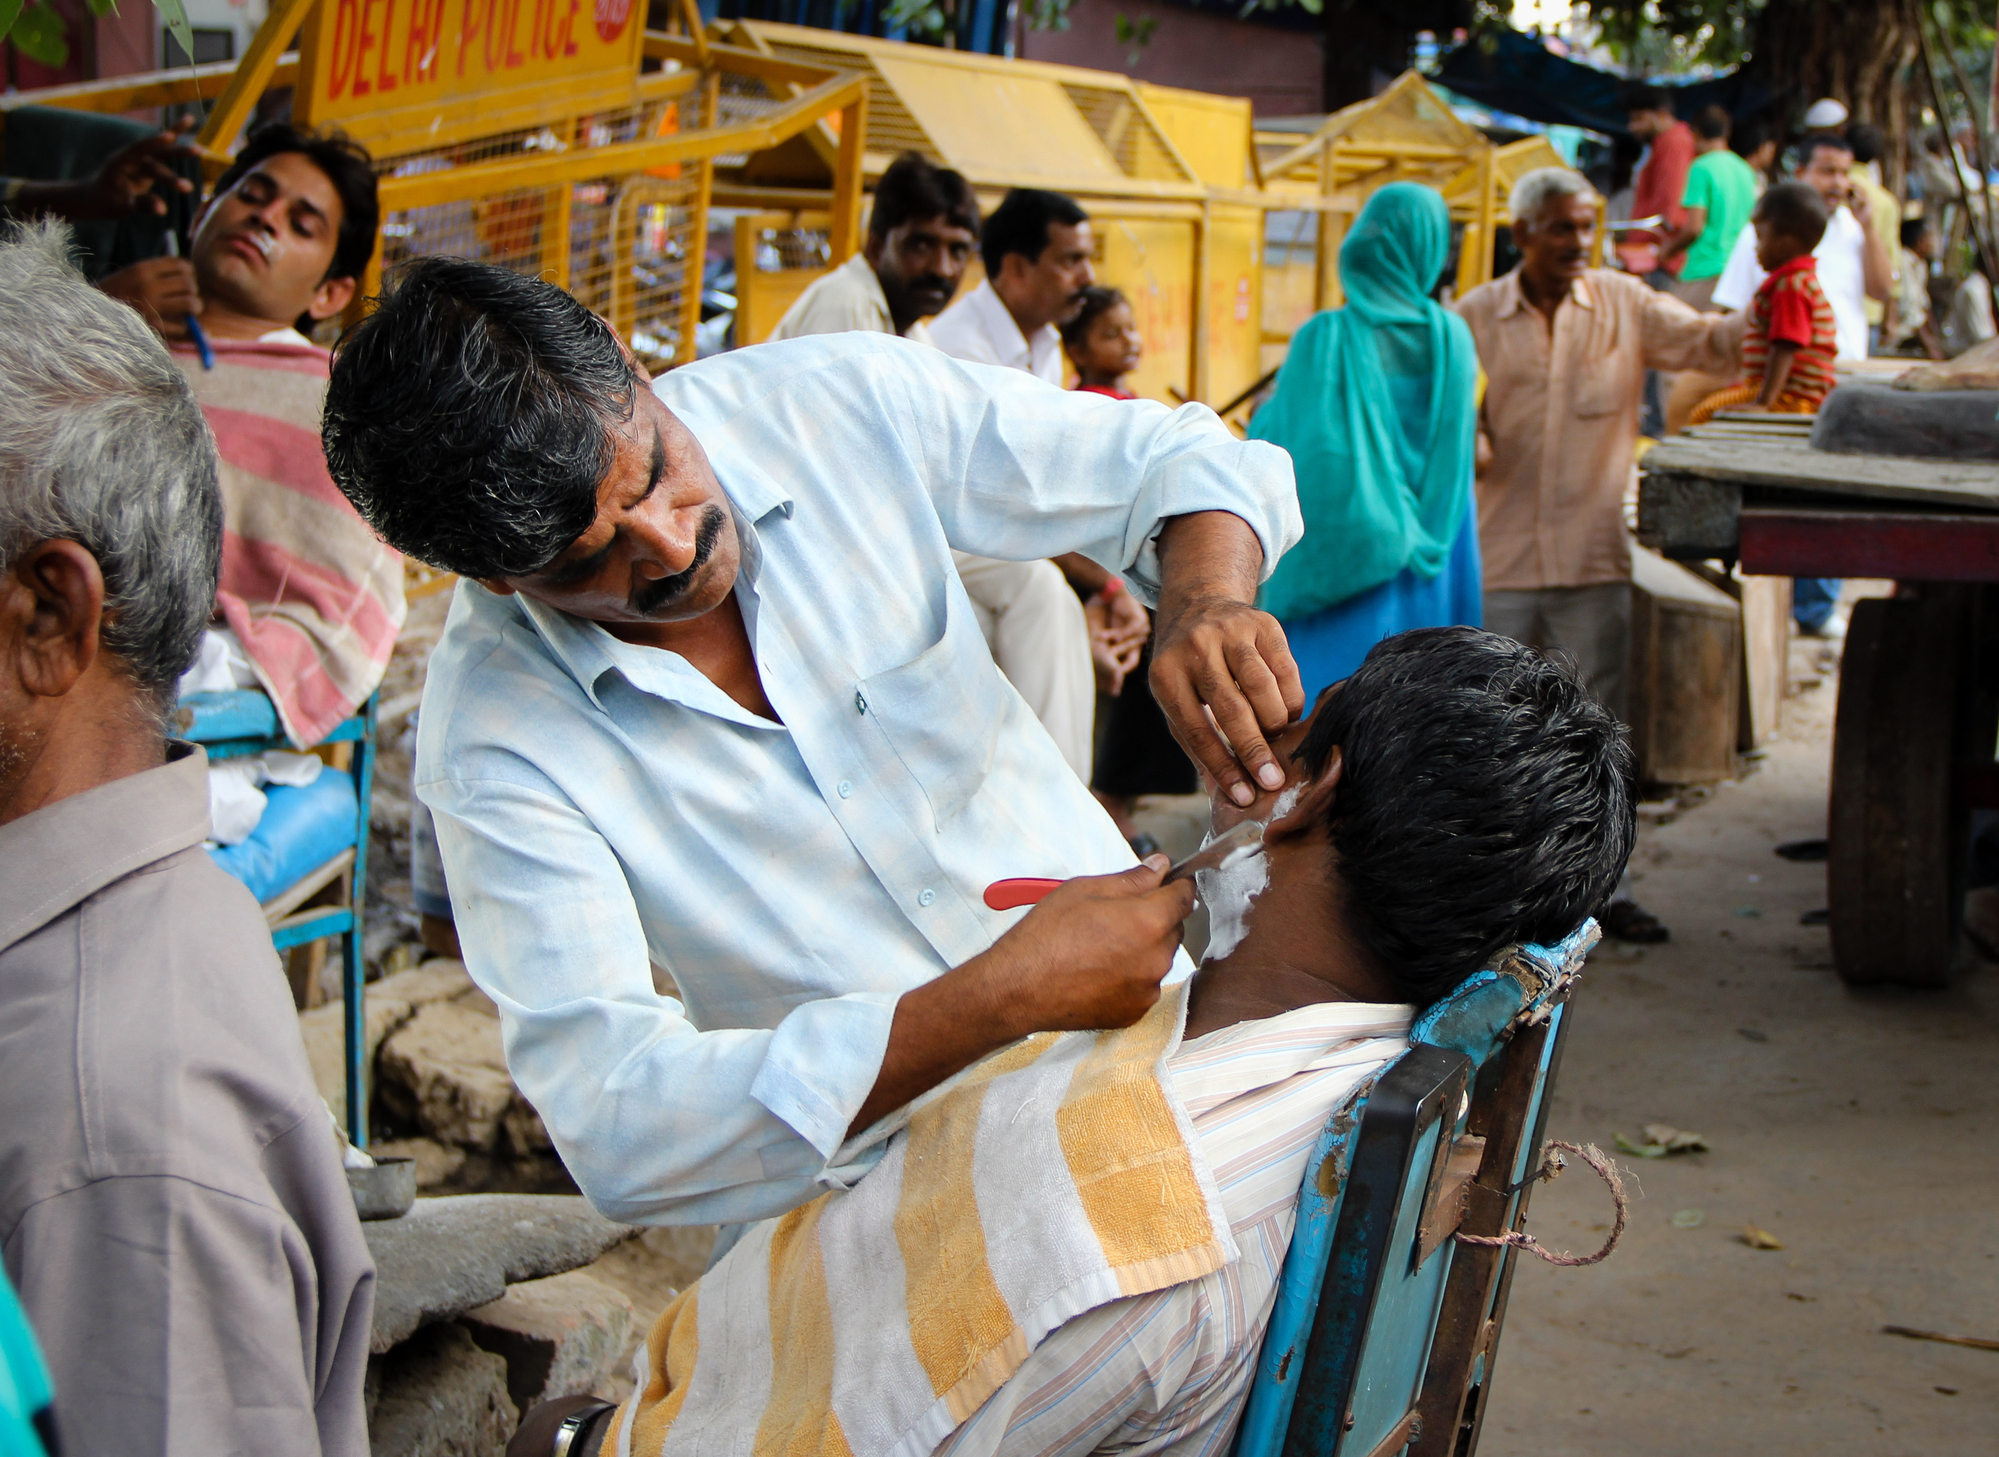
(1826, 115)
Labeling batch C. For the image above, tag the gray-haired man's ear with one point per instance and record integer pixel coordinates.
(51, 610)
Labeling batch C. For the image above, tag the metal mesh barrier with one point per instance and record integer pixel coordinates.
(624, 245)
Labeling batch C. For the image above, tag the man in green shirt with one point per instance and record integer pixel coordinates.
(1721, 189)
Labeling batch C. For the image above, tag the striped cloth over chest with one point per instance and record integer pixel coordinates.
(1073, 1246)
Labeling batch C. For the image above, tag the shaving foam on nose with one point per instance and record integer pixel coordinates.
(1231, 888)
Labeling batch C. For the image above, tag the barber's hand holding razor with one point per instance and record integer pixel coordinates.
(1091, 954)
(1221, 670)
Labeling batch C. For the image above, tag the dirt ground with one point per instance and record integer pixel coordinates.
(1856, 1126)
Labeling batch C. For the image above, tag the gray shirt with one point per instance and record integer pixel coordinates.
(172, 1207)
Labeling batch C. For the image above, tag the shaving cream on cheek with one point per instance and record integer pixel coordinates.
(1229, 890)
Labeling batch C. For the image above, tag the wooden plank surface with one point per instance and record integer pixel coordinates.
(1970, 484)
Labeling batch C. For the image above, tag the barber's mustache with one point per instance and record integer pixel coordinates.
(645, 601)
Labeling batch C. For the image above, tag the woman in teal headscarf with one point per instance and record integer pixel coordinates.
(1376, 404)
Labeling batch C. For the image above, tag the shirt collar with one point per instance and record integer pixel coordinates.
(587, 651)
(869, 282)
(64, 853)
(1512, 299)
(1008, 342)
(1803, 263)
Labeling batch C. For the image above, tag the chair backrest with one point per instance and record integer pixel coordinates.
(1383, 1329)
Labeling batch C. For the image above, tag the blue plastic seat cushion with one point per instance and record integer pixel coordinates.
(303, 827)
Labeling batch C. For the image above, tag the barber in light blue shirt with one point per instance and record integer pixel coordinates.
(712, 699)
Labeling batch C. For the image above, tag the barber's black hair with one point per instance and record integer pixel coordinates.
(1795, 210)
(469, 418)
(1485, 799)
(347, 166)
(1020, 225)
(1097, 301)
(1644, 96)
(1913, 230)
(1711, 123)
(913, 188)
(1815, 142)
(1865, 141)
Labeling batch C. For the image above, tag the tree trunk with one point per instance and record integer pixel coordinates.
(1858, 52)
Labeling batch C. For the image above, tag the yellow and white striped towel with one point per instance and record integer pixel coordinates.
(1058, 1175)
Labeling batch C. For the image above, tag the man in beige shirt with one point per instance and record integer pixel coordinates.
(172, 1207)
(1565, 348)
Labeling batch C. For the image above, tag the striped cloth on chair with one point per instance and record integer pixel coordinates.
(1058, 1175)
(314, 596)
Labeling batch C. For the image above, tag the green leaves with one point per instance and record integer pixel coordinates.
(1134, 35)
(174, 13)
(38, 33)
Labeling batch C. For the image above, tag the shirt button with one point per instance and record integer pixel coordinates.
(860, 704)
(846, 788)
(924, 898)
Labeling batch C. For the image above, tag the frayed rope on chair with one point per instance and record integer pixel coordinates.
(1552, 1164)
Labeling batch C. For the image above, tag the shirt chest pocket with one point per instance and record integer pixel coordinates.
(941, 712)
(1597, 381)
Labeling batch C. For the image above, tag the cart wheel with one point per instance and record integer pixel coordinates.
(1897, 827)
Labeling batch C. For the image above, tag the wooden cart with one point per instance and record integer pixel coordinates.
(1918, 710)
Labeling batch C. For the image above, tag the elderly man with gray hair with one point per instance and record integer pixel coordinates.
(1565, 348)
(172, 1206)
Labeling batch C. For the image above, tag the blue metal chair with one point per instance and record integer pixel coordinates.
(232, 724)
(1384, 1329)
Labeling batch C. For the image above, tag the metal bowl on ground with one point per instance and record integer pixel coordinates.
(385, 1191)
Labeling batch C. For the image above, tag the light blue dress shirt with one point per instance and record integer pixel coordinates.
(602, 806)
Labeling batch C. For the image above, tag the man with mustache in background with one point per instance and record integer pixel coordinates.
(1565, 348)
(921, 233)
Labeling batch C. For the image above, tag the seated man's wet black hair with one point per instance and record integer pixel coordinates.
(470, 417)
(1485, 799)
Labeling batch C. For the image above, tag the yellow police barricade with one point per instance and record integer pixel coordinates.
(1168, 177)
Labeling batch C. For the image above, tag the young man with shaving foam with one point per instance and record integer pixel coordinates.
(1075, 1246)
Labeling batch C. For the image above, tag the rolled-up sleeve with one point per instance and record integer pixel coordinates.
(1677, 337)
(1019, 469)
(656, 1121)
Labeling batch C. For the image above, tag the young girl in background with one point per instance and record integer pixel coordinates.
(1103, 342)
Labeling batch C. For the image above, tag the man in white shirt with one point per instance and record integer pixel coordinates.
(711, 698)
(1853, 262)
(1367, 917)
(1036, 249)
(921, 232)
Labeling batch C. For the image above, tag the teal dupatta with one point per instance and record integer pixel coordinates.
(1365, 520)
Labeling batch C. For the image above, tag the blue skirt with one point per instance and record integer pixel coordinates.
(1330, 644)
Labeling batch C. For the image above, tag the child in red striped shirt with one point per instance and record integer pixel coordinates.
(1788, 353)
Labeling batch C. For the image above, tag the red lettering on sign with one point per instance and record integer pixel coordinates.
(467, 30)
(361, 84)
(611, 18)
(537, 32)
(569, 28)
(514, 57)
(496, 40)
(420, 45)
(343, 47)
(385, 79)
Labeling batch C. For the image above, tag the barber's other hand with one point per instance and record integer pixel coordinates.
(163, 289)
(1091, 955)
(1222, 665)
(137, 178)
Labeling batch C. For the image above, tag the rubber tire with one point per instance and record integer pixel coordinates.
(1898, 829)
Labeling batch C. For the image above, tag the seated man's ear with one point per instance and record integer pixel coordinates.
(1315, 802)
(52, 613)
(332, 295)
